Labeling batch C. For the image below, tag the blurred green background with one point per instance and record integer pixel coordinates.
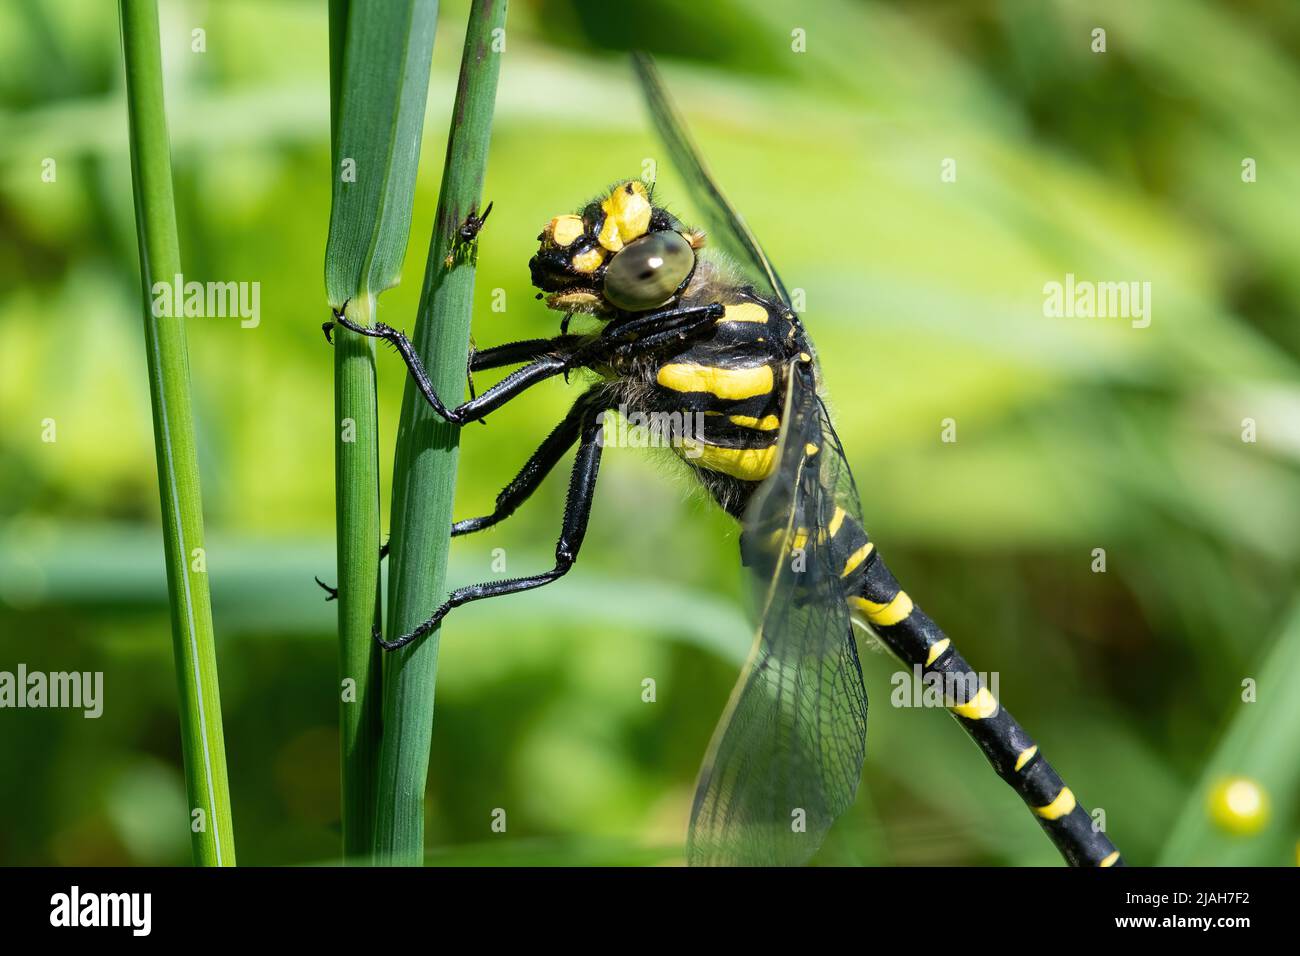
(925, 298)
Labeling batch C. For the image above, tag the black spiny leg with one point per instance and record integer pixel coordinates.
(511, 353)
(538, 466)
(333, 593)
(469, 373)
(661, 326)
(516, 353)
(522, 486)
(540, 369)
(582, 486)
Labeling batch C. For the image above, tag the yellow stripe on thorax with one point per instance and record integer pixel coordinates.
(768, 423)
(726, 383)
(748, 464)
(744, 312)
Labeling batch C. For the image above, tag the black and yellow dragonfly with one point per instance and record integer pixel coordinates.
(730, 369)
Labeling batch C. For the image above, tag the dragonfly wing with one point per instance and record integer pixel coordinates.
(787, 756)
(727, 227)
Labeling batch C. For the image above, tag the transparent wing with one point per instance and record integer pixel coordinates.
(727, 227)
(787, 755)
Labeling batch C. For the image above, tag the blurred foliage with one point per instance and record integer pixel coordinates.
(925, 299)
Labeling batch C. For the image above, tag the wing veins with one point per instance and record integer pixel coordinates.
(700, 181)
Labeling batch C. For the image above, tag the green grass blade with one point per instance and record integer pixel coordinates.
(384, 84)
(202, 741)
(356, 482)
(338, 23)
(424, 475)
(357, 516)
(1261, 744)
(379, 79)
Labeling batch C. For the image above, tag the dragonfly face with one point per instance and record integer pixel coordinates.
(621, 255)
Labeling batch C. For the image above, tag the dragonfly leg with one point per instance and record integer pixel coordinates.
(539, 369)
(333, 593)
(577, 511)
(517, 353)
(511, 353)
(684, 320)
(535, 470)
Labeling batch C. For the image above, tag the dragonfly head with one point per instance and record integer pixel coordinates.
(622, 254)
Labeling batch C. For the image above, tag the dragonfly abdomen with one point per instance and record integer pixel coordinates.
(878, 601)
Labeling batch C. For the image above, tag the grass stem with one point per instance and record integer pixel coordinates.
(424, 476)
(357, 534)
(379, 80)
(202, 741)
(356, 482)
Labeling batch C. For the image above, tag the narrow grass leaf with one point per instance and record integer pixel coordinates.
(384, 84)
(202, 741)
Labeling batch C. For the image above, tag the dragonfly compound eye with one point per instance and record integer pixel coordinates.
(648, 272)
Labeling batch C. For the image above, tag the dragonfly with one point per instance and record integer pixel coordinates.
(697, 328)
